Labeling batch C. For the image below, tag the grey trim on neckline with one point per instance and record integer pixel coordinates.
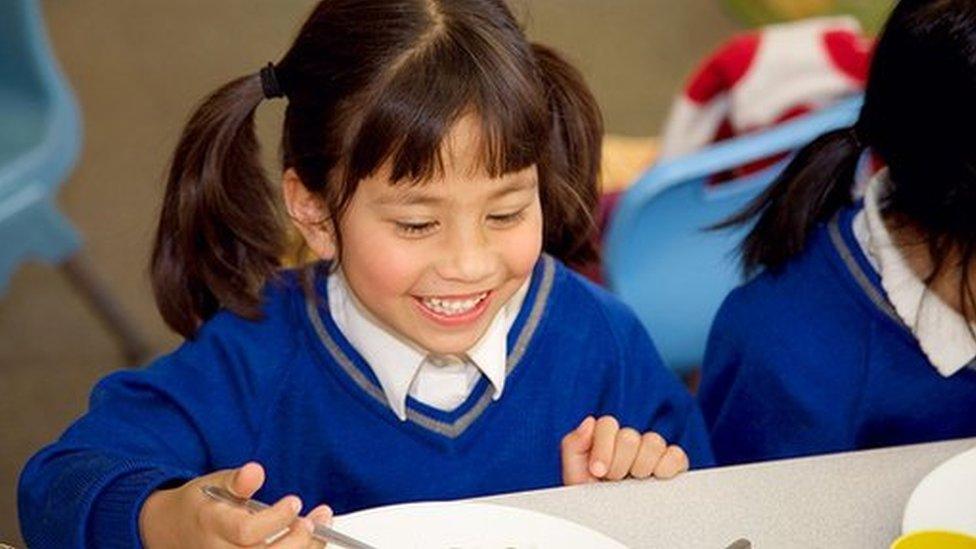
(450, 430)
(862, 279)
(880, 301)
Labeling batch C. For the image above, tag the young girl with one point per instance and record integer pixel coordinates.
(859, 333)
(447, 166)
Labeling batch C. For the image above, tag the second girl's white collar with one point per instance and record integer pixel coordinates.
(942, 333)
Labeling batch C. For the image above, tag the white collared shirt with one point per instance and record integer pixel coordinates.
(403, 368)
(941, 331)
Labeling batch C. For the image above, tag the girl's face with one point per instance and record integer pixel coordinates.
(436, 261)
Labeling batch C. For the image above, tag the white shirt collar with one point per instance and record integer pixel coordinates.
(397, 362)
(941, 331)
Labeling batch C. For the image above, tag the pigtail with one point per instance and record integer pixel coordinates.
(813, 187)
(573, 161)
(219, 235)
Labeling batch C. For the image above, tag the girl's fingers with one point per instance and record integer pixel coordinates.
(604, 440)
(673, 461)
(243, 528)
(575, 453)
(579, 440)
(651, 451)
(321, 515)
(315, 543)
(233, 524)
(624, 451)
(244, 481)
(299, 536)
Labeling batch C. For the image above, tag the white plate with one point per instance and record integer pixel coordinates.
(468, 526)
(946, 498)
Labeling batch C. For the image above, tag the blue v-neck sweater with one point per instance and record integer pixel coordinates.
(814, 359)
(290, 392)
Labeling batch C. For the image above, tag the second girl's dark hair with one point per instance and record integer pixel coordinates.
(370, 83)
(919, 116)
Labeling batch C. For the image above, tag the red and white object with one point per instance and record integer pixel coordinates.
(759, 79)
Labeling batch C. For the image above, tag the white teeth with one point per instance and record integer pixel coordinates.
(452, 307)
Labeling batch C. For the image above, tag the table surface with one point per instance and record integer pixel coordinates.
(852, 500)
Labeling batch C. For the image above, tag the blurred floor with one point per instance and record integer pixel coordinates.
(139, 65)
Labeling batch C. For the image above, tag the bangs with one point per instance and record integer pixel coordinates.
(409, 115)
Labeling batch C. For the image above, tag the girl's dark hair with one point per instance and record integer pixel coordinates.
(370, 83)
(919, 115)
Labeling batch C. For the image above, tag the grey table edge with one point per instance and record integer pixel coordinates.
(852, 499)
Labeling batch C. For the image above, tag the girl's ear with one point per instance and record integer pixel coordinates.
(309, 215)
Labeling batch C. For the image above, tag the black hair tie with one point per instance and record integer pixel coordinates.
(269, 82)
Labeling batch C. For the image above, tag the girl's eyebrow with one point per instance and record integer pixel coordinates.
(409, 198)
(420, 198)
(518, 185)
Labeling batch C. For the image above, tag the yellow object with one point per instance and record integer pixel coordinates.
(935, 539)
(624, 159)
(799, 9)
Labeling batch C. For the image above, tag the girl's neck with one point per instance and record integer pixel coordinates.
(947, 282)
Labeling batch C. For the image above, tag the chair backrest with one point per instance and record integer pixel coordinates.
(661, 260)
(40, 130)
(18, 68)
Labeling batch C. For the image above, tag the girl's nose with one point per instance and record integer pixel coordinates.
(469, 258)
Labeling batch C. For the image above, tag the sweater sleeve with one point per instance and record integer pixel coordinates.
(652, 398)
(181, 417)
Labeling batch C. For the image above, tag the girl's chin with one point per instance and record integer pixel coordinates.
(437, 340)
(449, 345)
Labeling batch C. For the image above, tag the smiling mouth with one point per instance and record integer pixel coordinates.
(453, 306)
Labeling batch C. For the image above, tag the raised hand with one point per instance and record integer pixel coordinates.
(599, 449)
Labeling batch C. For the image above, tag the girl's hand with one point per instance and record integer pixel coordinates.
(186, 517)
(600, 450)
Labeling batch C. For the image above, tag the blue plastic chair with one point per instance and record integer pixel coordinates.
(40, 138)
(659, 257)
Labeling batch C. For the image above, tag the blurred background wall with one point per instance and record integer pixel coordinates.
(138, 66)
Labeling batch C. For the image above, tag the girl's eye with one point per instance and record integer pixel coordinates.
(415, 229)
(507, 219)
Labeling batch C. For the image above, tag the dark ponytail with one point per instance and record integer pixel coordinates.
(219, 235)
(814, 186)
(917, 116)
(573, 162)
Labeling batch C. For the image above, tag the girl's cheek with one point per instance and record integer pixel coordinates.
(393, 271)
(524, 248)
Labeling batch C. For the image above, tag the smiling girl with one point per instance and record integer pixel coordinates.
(442, 169)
